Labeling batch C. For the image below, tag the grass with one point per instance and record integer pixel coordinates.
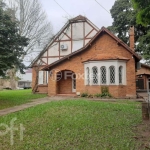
(10, 98)
(75, 125)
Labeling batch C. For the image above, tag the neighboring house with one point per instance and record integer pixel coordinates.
(26, 79)
(6, 83)
(142, 78)
(101, 60)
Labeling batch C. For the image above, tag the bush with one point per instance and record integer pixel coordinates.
(106, 95)
(84, 95)
(97, 95)
(90, 96)
(105, 91)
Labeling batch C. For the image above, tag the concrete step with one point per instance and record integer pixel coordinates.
(67, 95)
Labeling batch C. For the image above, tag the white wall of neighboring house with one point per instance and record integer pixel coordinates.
(27, 76)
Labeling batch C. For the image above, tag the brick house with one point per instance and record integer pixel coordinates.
(142, 78)
(101, 60)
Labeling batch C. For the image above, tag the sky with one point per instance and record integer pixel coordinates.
(59, 11)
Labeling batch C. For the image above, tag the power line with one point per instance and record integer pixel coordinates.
(62, 8)
(102, 6)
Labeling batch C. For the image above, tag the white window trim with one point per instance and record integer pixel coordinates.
(107, 64)
(40, 79)
(105, 75)
(114, 75)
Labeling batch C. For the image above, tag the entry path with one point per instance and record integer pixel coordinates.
(30, 104)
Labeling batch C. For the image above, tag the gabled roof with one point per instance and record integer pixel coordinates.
(144, 65)
(100, 57)
(78, 18)
(102, 30)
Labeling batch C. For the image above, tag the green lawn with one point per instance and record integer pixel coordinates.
(75, 125)
(9, 98)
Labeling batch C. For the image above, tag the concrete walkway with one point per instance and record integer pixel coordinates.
(30, 104)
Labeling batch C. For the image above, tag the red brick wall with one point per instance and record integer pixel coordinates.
(143, 70)
(103, 45)
(41, 88)
(65, 86)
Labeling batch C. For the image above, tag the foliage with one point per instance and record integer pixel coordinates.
(33, 24)
(84, 94)
(124, 16)
(11, 44)
(97, 95)
(105, 91)
(17, 97)
(79, 124)
(143, 11)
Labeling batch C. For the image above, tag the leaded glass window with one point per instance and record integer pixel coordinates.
(112, 74)
(88, 76)
(95, 75)
(120, 74)
(103, 75)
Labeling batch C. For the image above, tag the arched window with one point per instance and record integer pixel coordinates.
(120, 74)
(87, 76)
(95, 75)
(112, 74)
(103, 75)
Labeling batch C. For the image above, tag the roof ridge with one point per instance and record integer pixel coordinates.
(89, 43)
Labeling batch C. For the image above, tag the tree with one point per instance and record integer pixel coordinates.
(124, 16)
(143, 11)
(33, 23)
(11, 43)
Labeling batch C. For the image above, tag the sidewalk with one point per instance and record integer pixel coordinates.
(30, 104)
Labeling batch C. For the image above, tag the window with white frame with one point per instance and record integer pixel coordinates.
(103, 75)
(40, 80)
(87, 76)
(120, 74)
(112, 74)
(43, 77)
(95, 75)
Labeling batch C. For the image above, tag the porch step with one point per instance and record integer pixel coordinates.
(67, 95)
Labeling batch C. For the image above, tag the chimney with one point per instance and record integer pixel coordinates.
(131, 36)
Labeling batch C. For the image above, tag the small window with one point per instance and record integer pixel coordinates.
(40, 80)
(112, 74)
(87, 76)
(120, 75)
(95, 75)
(103, 75)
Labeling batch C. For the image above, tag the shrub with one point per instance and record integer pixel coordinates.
(84, 95)
(90, 96)
(97, 95)
(105, 91)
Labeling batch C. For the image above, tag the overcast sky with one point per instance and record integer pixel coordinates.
(89, 8)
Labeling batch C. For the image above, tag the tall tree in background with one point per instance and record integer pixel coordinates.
(124, 16)
(143, 11)
(11, 43)
(33, 23)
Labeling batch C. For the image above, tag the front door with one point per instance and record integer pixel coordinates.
(74, 83)
(140, 84)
